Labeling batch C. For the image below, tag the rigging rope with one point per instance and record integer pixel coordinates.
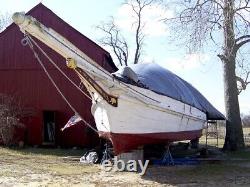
(75, 52)
(57, 67)
(29, 42)
(108, 74)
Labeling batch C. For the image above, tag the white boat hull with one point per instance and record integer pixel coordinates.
(134, 123)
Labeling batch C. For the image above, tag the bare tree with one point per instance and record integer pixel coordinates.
(5, 20)
(203, 21)
(246, 120)
(138, 6)
(11, 113)
(243, 72)
(117, 42)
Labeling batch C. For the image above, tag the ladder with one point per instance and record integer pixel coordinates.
(212, 132)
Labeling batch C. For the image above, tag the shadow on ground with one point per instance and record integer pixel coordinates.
(50, 151)
(188, 175)
(235, 170)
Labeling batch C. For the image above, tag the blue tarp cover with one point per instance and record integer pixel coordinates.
(162, 81)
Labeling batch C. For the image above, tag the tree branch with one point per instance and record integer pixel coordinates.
(115, 40)
(240, 44)
(138, 8)
(222, 58)
(243, 83)
(241, 38)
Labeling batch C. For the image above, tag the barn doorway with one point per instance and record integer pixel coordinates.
(49, 127)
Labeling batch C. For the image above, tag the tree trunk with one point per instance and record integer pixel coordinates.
(234, 135)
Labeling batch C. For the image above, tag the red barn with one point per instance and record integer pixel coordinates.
(22, 76)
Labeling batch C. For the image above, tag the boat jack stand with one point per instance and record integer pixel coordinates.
(107, 155)
(167, 157)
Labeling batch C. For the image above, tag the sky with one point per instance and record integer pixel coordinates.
(203, 70)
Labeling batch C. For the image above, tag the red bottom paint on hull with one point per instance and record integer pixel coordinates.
(126, 142)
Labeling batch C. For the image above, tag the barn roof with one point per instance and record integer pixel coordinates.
(93, 50)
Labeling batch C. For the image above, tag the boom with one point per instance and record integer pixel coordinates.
(60, 44)
(94, 75)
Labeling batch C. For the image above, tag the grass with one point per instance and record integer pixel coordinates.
(48, 152)
(48, 160)
(221, 130)
(74, 169)
(246, 130)
(45, 167)
(243, 154)
(212, 142)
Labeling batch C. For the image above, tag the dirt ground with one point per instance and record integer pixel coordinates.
(48, 167)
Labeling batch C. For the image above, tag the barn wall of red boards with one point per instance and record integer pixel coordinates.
(21, 76)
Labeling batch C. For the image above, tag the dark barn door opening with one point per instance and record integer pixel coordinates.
(49, 127)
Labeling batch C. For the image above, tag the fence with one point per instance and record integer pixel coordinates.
(220, 131)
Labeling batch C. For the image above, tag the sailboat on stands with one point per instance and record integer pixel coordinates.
(137, 105)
